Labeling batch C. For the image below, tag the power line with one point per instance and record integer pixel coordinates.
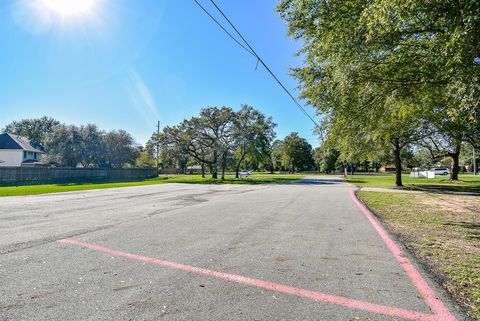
(263, 63)
(254, 53)
(223, 28)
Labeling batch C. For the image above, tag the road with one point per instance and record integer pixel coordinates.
(300, 251)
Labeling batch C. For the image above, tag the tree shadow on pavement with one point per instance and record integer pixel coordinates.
(319, 181)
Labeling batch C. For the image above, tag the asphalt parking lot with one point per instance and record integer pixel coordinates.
(301, 251)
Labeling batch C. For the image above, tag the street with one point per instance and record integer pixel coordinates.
(297, 251)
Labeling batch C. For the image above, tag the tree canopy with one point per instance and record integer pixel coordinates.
(70, 145)
(219, 136)
(389, 73)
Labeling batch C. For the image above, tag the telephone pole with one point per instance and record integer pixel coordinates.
(158, 146)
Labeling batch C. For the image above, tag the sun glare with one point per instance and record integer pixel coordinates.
(69, 8)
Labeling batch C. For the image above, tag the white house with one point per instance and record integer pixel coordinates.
(17, 151)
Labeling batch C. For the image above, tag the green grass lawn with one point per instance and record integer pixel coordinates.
(443, 231)
(255, 179)
(467, 183)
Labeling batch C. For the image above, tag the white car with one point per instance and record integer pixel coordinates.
(441, 171)
(245, 173)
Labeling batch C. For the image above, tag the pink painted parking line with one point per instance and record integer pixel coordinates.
(286, 289)
(439, 309)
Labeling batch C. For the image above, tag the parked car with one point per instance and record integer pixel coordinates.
(441, 170)
(245, 173)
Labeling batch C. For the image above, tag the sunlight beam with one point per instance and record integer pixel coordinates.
(69, 8)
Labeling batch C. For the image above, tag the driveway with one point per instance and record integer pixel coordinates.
(300, 251)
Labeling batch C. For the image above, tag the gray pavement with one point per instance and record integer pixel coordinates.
(308, 235)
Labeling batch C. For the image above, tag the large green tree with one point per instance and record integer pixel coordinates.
(296, 153)
(120, 148)
(253, 134)
(433, 48)
(70, 145)
(220, 138)
(276, 155)
(365, 114)
(35, 129)
(206, 138)
(64, 146)
(380, 69)
(326, 159)
(91, 147)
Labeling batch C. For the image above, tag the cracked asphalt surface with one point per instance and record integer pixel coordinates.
(308, 234)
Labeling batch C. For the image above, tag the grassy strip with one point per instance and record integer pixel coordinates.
(443, 231)
(163, 179)
(467, 183)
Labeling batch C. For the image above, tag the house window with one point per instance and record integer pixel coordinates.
(35, 156)
(24, 154)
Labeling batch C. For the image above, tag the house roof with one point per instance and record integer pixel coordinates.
(11, 141)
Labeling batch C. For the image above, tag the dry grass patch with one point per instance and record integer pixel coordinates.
(444, 233)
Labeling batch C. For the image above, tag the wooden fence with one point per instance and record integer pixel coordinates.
(19, 175)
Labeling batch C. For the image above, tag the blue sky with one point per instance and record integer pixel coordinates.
(128, 63)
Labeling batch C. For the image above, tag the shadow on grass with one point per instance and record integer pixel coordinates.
(80, 182)
(320, 181)
(445, 187)
(473, 229)
(246, 181)
(438, 186)
(356, 181)
(181, 179)
(189, 180)
(294, 180)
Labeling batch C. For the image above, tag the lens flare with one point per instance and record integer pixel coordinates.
(69, 8)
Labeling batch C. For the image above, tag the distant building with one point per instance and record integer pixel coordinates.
(194, 169)
(17, 151)
(387, 169)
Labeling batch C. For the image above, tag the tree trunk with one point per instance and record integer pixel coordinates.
(398, 164)
(215, 165)
(455, 166)
(203, 170)
(237, 169)
(224, 165)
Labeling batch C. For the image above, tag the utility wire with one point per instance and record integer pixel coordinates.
(264, 64)
(223, 28)
(254, 53)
